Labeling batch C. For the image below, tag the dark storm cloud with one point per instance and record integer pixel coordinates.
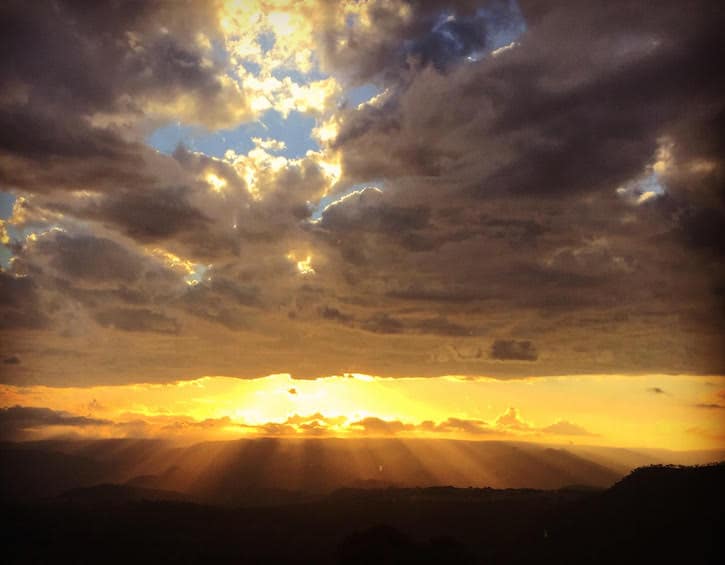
(16, 291)
(20, 303)
(405, 35)
(224, 301)
(217, 312)
(89, 258)
(701, 228)
(512, 350)
(535, 145)
(367, 211)
(71, 281)
(149, 216)
(517, 231)
(449, 40)
(560, 123)
(330, 313)
(230, 291)
(43, 136)
(65, 62)
(81, 57)
(383, 323)
(137, 320)
(444, 295)
(444, 327)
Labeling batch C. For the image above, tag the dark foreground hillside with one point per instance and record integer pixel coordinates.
(654, 515)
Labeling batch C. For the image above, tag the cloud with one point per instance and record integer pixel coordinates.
(457, 425)
(378, 426)
(656, 390)
(17, 421)
(531, 171)
(367, 211)
(20, 303)
(79, 84)
(525, 194)
(383, 41)
(64, 280)
(511, 420)
(137, 320)
(300, 425)
(383, 323)
(183, 424)
(12, 360)
(566, 428)
(149, 217)
(88, 258)
(331, 313)
(442, 326)
(149, 52)
(512, 350)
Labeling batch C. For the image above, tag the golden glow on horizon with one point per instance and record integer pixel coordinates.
(676, 412)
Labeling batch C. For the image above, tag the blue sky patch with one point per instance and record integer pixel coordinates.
(295, 131)
(7, 201)
(266, 41)
(360, 94)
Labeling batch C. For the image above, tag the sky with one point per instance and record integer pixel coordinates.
(481, 219)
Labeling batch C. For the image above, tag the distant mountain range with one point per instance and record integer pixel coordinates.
(274, 471)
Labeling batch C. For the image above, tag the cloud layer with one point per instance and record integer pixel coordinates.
(536, 189)
(32, 423)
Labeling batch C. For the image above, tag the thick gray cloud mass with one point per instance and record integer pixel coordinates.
(68, 65)
(552, 207)
(505, 349)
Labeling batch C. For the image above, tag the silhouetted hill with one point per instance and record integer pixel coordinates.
(29, 473)
(676, 480)
(665, 514)
(654, 515)
(117, 494)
